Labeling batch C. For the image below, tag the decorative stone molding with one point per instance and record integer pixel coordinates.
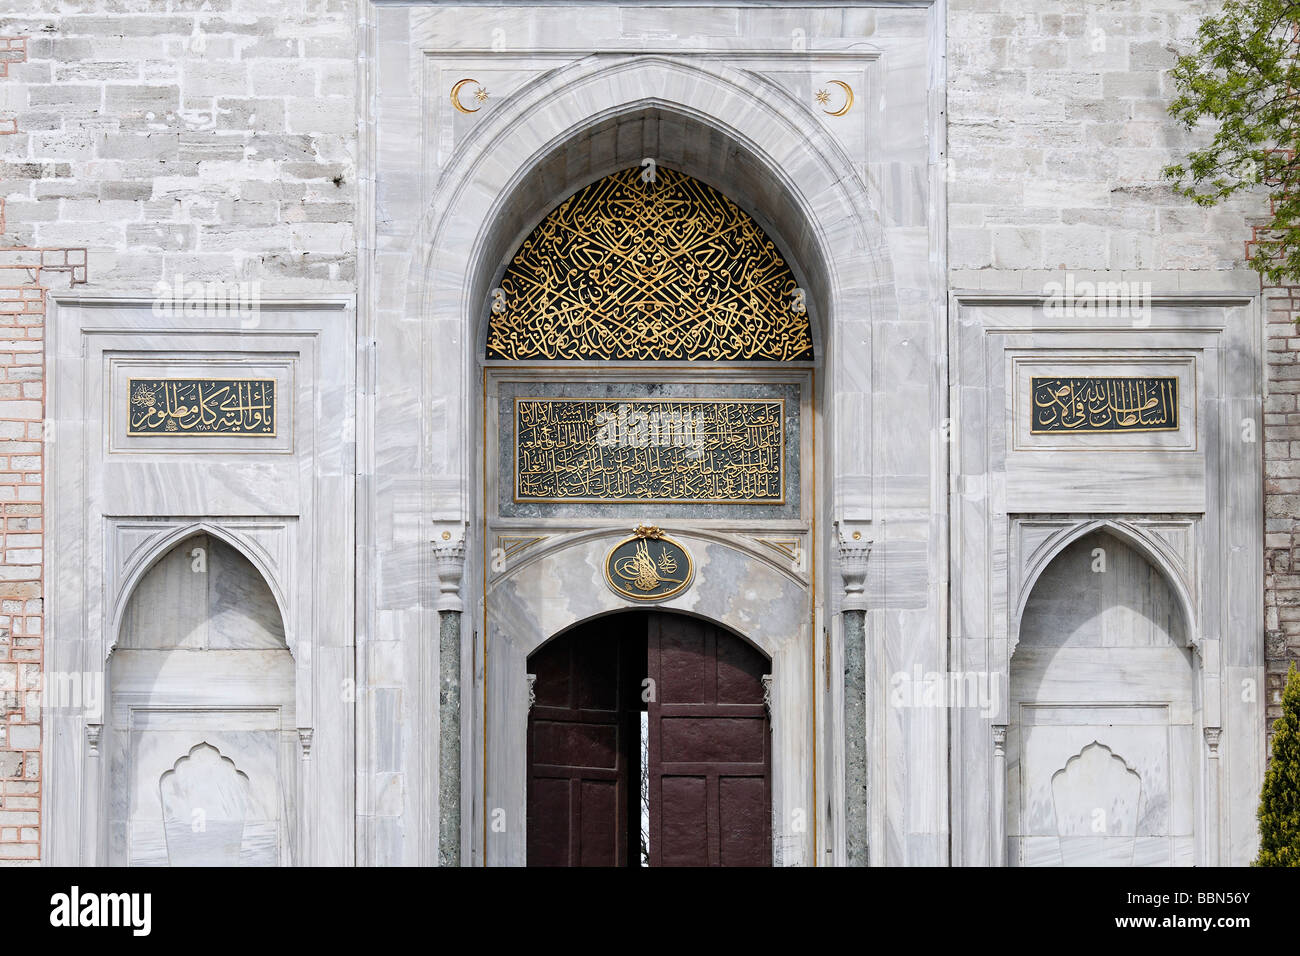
(853, 571)
(999, 740)
(305, 735)
(532, 689)
(449, 561)
(94, 732)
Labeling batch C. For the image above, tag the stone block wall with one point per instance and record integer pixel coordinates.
(1057, 134)
(214, 140)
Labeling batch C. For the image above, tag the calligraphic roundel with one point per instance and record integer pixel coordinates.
(649, 265)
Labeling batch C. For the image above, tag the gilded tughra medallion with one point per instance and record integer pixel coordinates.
(649, 566)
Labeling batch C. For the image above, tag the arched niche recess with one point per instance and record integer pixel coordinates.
(200, 731)
(1102, 718)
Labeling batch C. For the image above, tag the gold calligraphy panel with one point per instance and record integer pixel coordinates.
(729, 451)
(201, 406)
(649, 265)
(1104, 404)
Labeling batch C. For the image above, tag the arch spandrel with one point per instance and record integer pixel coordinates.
(565, 587)
(808, 191)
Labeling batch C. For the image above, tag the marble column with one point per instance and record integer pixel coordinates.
(449, 561)
(93, 836)
(1212, 796)
(998, 832)
(857, 819)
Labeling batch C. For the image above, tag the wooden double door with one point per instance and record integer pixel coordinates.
(649, 744)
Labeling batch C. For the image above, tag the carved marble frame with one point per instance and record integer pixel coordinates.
(102, 539)
(444, 196)
(1189, 511)
(824, 203)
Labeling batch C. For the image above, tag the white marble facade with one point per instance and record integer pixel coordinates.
(316, 740)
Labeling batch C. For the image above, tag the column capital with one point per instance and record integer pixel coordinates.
(94, 733)
(449, 562)
(853, 572)
(999, 740)
(1212, 739)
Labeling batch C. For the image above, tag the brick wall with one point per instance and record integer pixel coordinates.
(1281, 489)
(26, 276)
(22, 314)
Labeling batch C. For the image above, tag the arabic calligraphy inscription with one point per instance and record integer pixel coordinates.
(1104, 404)
(201, 406)
(722, 451)
(649, 270)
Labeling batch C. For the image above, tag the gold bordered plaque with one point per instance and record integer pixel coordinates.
(720, 451)
(649, 566)
(201, 406)
(649, 265)
(1103, 404)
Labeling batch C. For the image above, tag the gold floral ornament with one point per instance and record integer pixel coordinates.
(662, 270)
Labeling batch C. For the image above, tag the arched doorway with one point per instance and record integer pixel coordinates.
(649, 744)
(1101, 741)
(201, 732)
(649, 363)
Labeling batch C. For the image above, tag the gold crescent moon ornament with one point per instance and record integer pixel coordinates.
(848, 99)
(479, 96)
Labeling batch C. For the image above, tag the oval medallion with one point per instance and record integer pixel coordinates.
(649, 566)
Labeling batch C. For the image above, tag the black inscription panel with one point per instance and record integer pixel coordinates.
(201, 406)
(628, 450)
(1097, 404)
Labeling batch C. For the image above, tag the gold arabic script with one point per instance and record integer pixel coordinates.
(644, 268)
(725, 451)
(643, 572)
(1098, 404)
(196, 406)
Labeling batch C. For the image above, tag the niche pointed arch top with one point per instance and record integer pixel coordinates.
(649, 265)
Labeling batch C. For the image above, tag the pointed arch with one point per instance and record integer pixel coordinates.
(507, 169)
(1149, 547)
(162, 544)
